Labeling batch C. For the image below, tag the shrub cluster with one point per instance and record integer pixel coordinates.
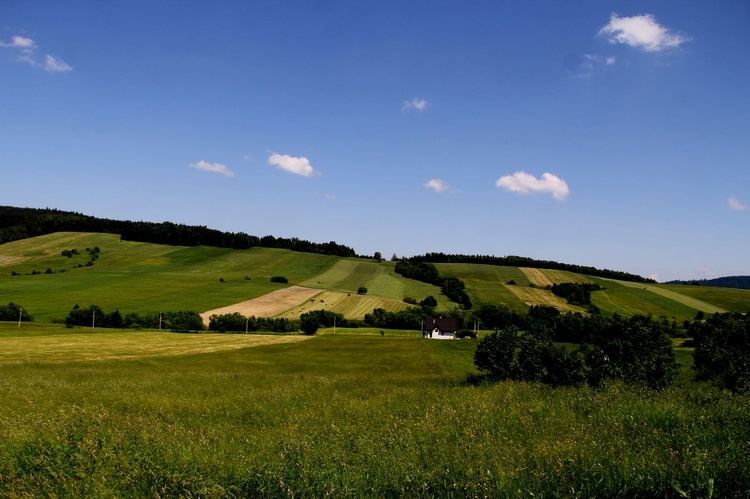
(575, 293)
(636, 350)
(279, 278)
(12, 312)
(722, 350)
(311, 321)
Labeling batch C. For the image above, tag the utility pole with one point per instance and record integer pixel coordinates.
(93, 319)
(334, 324)
(247, 323)
(20, 314)
(160, 314)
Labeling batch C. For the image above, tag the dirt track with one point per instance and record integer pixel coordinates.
(269, 305)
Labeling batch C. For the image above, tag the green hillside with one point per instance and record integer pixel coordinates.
(148, 278)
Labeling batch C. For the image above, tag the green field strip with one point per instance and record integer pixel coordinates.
(734, 300)
(630, 300)
(486, 284)
(688, 301)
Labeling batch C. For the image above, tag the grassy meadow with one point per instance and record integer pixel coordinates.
(345, 415)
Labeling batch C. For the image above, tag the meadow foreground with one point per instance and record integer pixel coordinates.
(344, 415)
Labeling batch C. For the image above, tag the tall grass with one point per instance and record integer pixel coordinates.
(350, 415)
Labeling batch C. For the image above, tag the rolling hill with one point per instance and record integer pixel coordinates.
(147, 278)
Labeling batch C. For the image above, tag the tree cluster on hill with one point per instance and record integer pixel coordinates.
(519, 261)
(722, 350)
(21, 223)
(451, 287)
(94, 316)
(14, 312)
(636, 350)
(576, 293)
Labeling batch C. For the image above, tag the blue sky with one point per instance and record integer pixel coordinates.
(611, 134)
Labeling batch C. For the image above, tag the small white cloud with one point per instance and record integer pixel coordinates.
(298, 166)
(642, 32)
(655, 277)
(736, 205)
(524, 183)
(21, 43)
(610, 60)
(330, 197)
(437, 185)
(414, 105)
(212, 167)
(55, 65)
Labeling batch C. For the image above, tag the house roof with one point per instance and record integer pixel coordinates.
(441, 324)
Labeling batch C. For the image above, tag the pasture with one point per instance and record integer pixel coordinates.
(345, 415)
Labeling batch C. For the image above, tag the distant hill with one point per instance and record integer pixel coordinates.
(736, 281)
(22, 223)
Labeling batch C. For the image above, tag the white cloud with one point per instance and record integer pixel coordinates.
(27, 48)
(641, 32)
(736, 205)
(21, 43)
(414, 105)
(55, 65)
(437, 185)
(655, 277)
(298, 166)
(212, 167)
(524, 183)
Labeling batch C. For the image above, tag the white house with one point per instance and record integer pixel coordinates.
(439, 329)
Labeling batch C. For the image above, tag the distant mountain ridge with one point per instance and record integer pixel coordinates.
(735, 281)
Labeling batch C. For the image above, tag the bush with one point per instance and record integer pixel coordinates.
(279, 278)
(466, 333)
(430, 301)
(410, 300)
(362, 290)
(722, 351)
(12, 311)
(309, 323)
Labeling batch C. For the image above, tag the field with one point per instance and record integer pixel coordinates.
(345, 415)
(548, 277)
(269, 305)
(351, 305)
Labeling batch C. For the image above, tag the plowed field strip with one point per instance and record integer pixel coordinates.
(268, 305)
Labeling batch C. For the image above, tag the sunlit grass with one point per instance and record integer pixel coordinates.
(353, 415)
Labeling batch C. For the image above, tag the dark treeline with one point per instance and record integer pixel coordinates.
(734, 281)
(20, 223)
(722, 350)
(236, 322)
(94, 316)
(520, 261)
